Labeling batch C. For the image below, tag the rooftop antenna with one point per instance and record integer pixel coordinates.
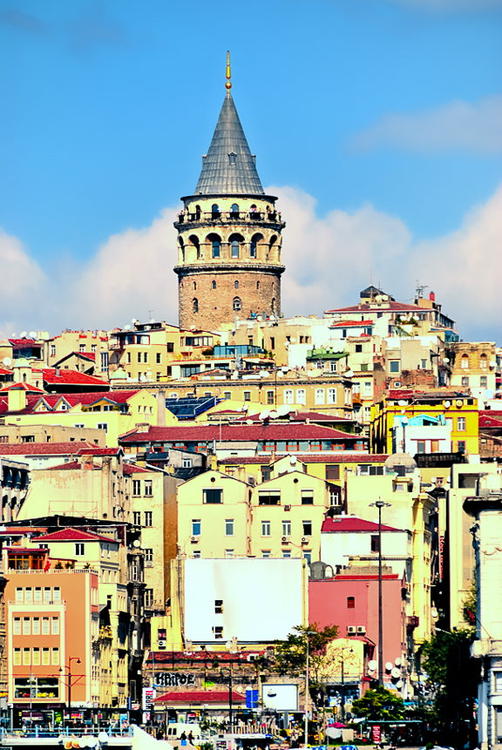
(228, 73)
(421, 289)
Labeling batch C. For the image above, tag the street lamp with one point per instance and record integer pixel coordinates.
(380, 504)
(307, 684)
(69, 677)
(342, 683)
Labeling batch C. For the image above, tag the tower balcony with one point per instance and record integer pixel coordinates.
(229, 217)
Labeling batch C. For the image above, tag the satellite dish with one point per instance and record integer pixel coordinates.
(395, 673)
(447, 404)
(388, 666)
(372, 664)
(136, 543)
(7, 361)
(398, 661)
(402, 403)
(399, 684)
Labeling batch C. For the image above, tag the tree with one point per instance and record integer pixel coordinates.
(379, 703)
(290, 656)
(453, 676)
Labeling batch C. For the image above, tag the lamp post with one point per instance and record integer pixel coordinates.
(69, 676)
(379, 504)
(342, 681)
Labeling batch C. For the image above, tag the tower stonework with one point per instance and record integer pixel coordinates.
(229, 235)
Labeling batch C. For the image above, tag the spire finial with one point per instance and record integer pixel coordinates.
(228, 73)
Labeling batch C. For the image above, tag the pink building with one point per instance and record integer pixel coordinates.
(350, 601)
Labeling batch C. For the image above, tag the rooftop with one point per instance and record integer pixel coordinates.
(351, 524)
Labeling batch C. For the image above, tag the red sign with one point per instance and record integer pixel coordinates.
(376, 733)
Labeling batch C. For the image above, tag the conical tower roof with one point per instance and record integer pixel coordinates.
(229, 167)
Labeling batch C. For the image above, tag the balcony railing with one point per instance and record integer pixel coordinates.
(229, 217)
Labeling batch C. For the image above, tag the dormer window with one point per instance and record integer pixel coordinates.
(232, 158)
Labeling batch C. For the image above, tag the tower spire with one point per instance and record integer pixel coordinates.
(228, 73)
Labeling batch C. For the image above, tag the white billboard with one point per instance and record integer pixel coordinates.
(279, 697)
(254, 600)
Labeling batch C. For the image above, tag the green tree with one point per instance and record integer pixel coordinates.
(379, 703)
(290, 656)
(453, 677)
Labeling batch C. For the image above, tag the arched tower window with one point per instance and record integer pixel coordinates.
(182, 249)
(213, 284)
(464, 362)
(253, 212)
(253, 245)
(236, 284)
(195, 285)
(483, 361)
(197, 212)
(215, 241)
(273, 304)
(257, 284)
(237, 304)
(234, 211)
(235, 241)
(215, 211)
(194, 240)
(195, 305)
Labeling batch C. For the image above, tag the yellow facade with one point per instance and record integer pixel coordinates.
(462, 412)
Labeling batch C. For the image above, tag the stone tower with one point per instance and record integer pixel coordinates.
(229, 235)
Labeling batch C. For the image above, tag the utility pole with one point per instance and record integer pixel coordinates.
(379, 504)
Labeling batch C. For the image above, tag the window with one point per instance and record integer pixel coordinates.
(215, 248)
(55, 626)
(301, 396)
(286, 553)
(394, 365)
(461, 424)
(288, 397)
(196, 526)
(187, 463)
(234, 210)
(35, 626)
(265, 552)
(461, 446)
(218, 632)
(236, 303)
(213, 284)
(227, 394)
(17, 657)
(286, 528)
(26, 626)
(270, 398)
(483, 364)
(148, 517)
(229, 553)
(375, 543)
(307, 555)
(331, 395)
(307, 497)
(247, 395)
(212, 497)
(79, 548)
(45, 626)
(319, 395)
(464, 362)
(265, 528)
(17, 626)
(148, 597)
(483, 381)
(269, 497)
(19, 594)
(218, 606)
(333, 366)
(28, 595)
(332, 472)
(307, 528)
(215, 211)
(56, 594)
(351, 602)
(158, 357)
(358, 348)
(136, 487)
(148, 554)
(195, 305)
(55, 655)
(53, 350)
(465, 381)
(234, 249)
(26, 656)
(420, 446)
(102, 426)
(136, 517)
(148, 489)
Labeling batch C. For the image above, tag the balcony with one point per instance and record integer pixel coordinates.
(228, 217)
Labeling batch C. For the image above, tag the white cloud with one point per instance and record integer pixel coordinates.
(328, 259)
(458, 125)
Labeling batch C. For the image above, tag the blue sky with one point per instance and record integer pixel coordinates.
(387, 106)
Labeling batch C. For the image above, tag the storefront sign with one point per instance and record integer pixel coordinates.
(174, 679)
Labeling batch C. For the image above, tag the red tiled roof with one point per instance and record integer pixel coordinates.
(312, 458)
(3, 371)
(87, 355)
(70, 465)
(351, 524)
(490, 419)
(273, 431)
(72, 448)
(24, 342)
(74, 535)
(21, 387)
(384, 307)
(70, 377)
(409, 393)
(351, 323)
(199, 696)
(129, 469)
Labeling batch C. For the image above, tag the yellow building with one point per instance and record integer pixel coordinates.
(474, 365)
(456, 407)
(66, 343)
(114, 412)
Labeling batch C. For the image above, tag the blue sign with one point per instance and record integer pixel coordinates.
(251, 698)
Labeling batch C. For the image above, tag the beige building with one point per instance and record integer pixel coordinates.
(95, 343)
(49, 433)
(474, 366)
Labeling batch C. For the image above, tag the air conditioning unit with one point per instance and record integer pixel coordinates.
(304, 540)
(361, 629)
(285, 540)
(351, 629)
(252, 657)
(251, 481)
(287, 507)
(194, 539)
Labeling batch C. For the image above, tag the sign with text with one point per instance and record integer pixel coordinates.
(174, 679)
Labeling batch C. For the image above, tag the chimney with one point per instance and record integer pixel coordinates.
(161, 409)
(16, 399)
